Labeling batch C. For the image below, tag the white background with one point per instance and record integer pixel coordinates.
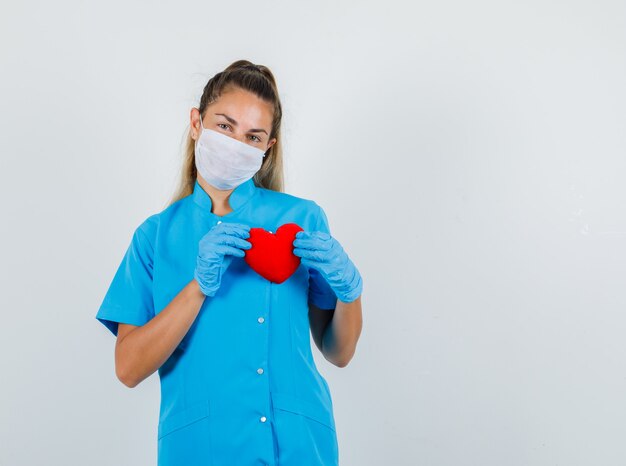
(471, 158)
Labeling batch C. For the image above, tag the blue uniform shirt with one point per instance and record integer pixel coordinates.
(242, 387)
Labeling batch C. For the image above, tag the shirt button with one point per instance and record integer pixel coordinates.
(219, 221)
(259, 370)
(261, 320)
(263, 419)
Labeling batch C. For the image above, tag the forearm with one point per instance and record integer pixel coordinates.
(342, 333)
(143, 350)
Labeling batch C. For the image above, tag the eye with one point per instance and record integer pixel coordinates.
(257, 138)
(223, 124)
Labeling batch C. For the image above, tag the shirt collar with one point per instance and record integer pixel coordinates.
(238, 197)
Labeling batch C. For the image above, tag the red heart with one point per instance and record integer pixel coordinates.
(271, 255)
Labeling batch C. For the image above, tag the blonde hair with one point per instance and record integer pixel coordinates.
(259, 80)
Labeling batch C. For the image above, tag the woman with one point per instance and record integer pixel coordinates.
(239, 385)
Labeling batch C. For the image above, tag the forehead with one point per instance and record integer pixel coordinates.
(243, 106)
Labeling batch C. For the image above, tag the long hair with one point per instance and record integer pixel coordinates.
(259, 80)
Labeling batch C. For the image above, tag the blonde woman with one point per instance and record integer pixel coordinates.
(239, 385)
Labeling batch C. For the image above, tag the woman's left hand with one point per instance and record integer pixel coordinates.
(322, 252)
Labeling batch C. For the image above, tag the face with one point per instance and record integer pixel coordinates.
(240, 115)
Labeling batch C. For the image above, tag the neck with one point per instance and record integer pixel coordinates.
(219, 198)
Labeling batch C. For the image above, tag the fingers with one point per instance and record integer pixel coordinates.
(317, 240)
(310, 254)
(234, 241)
(232, 234)
(303, 234)
(224, 249)
(237, 229)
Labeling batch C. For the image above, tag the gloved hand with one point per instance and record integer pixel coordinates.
(322, 252)
(215, 251)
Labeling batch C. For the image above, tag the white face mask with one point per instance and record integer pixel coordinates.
(225, 162)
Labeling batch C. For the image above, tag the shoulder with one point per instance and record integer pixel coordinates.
(145, 233)
(306, 212)
(149, 228)
(288, 200)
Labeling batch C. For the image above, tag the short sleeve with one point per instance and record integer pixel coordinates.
(320, 292)
(129, 299)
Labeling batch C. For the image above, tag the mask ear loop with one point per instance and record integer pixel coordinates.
(202, 129)
(195, 145)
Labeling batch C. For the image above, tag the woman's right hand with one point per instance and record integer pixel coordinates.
(215, 251)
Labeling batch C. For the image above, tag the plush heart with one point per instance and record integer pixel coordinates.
(271, 255)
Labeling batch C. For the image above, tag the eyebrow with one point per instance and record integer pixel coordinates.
(234, 122)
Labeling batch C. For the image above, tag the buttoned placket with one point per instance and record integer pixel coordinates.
(263, 351)
(260, 320)
(237, 198)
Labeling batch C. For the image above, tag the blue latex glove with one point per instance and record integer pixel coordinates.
(215, 253)
(321, 251)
